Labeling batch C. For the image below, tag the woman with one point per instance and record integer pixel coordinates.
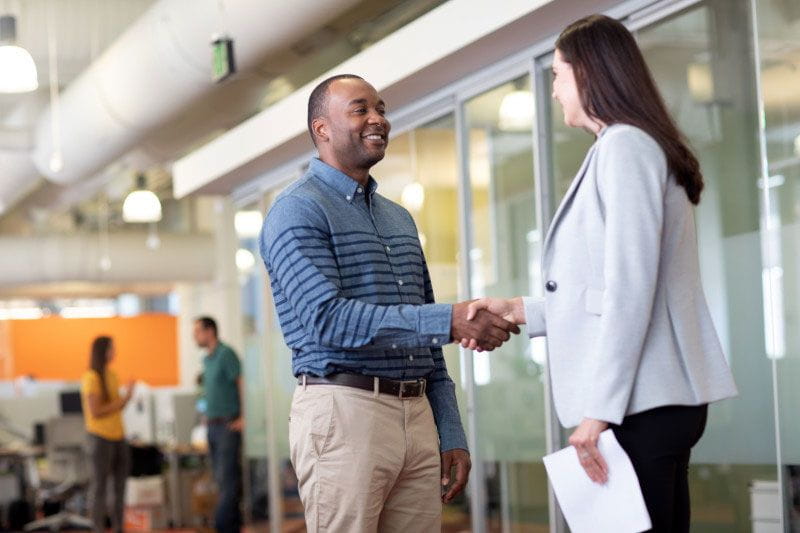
(102, 410)
(630, 339)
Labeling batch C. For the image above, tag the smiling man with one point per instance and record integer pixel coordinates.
(374, 430)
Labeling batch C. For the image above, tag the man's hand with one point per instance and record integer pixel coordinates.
(236, 425)
(584, 439)
(511, 310)
(458, 459)
(489, 330)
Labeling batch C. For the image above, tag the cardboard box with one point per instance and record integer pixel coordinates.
(145, 518)
(144, 491)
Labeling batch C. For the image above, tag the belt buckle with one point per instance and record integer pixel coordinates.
(420, 383)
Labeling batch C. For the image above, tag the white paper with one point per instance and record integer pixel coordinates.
(616, 507)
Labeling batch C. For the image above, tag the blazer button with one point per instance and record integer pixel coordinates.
(551, 286)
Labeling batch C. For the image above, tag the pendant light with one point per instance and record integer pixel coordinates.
(141, 205)
(17, 69)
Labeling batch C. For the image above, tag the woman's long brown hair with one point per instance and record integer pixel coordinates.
(98, 361)
(616, 86)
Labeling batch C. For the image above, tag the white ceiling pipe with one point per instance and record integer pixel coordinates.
(161, 66)
(59, 258)
(18, 174)
(18, 177)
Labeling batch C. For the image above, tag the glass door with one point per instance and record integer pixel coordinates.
(504, 257)
(247, 221)
(778, 32)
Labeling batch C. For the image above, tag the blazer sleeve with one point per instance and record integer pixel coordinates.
(534, 316)
(631, 180)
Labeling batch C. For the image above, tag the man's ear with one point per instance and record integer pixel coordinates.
(320, 128)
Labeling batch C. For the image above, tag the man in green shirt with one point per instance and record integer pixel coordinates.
(222, 385)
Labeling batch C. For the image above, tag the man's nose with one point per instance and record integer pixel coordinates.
(376, 118)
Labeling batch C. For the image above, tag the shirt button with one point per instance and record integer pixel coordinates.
(359, 190)
(348, 198)
(388, 249)
(410, 357)
(551, 286)
(394, 346)
(399, 281)
(435, 340)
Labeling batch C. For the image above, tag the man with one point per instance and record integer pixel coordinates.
(354, 298)
(222, 385)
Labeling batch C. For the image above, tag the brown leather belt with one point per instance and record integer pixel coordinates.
(414, 388)
(221, 420)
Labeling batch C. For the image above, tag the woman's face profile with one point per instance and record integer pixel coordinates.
(565, 92)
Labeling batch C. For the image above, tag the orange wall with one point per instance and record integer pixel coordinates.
(58, 348)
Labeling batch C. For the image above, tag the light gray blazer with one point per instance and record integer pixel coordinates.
(627, 324)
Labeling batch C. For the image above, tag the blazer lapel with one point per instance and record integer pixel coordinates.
(567, 198)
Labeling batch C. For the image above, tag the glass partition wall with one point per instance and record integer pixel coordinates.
(504, 253)
(483, 169)
(247, 221)
(778, 61)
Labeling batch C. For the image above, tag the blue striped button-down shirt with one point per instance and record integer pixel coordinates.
(352, 289)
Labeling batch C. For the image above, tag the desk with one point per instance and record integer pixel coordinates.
(21, 461)
(185, 464)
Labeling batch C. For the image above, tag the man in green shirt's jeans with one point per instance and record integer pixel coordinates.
(222, 384)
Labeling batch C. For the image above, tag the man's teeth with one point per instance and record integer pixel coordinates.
(375, 137)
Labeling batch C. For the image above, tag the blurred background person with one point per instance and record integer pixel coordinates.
(109, 453)
(222, 391)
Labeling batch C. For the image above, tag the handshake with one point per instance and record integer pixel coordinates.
(487, 323)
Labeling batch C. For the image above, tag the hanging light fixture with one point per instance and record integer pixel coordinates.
(141, 205)
(517, 111)
(17, 69)
(248, 224)
(413, 196)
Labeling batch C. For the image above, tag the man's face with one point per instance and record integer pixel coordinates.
(201, 335)
(355, 127)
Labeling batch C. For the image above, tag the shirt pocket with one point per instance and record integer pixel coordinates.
(594, 301)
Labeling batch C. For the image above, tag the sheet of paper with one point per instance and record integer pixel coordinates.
(616, 507)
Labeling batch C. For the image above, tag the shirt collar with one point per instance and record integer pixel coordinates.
(339, 181)
(217, 348)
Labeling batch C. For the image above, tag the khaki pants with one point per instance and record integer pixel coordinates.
(365, 462)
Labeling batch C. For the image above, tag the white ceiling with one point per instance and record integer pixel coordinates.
(83, 29)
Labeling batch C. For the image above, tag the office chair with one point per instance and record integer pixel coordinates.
(65, 438)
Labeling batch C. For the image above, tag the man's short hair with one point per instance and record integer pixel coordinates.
(318, 101)
(208, 323)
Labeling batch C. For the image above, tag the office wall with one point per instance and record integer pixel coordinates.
(58, 348)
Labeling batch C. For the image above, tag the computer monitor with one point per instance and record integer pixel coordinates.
(70, 402)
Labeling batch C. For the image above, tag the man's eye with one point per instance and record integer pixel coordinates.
(360, 110)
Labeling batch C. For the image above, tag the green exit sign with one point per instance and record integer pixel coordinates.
(222, 64)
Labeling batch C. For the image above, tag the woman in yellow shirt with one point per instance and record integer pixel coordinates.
(109, 454)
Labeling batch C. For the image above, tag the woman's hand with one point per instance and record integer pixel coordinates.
(129, 390)
(512, 310)
(584, 439)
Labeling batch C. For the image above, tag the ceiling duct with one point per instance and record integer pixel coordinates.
(159, 69)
